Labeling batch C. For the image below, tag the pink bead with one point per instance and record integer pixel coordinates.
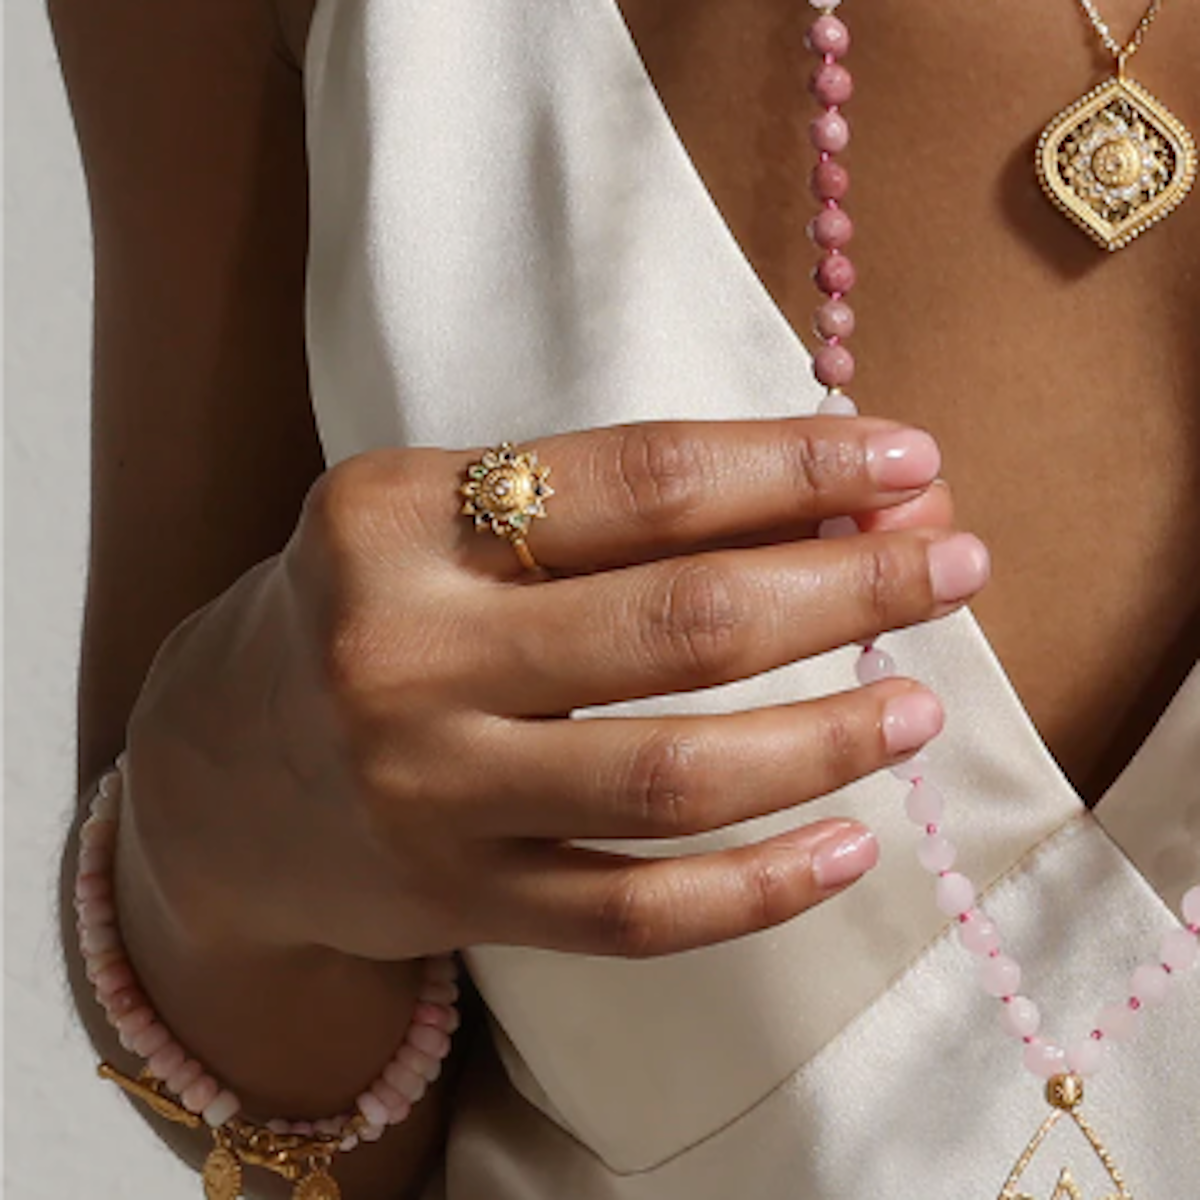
(132, 1023)
(371, 1133)
(1150, 984)
(832, 84)
(406, 1081)
(1020, 1018)
(1044, 1059)
(1086, 1057)
(97, 832)
(223, 1106)
(936, 853)
(1119, 1022)
(441, 968)
(95, 861)
(828, 35)
(837, 404)
(97, 912)
(834, 366)
(127, 1000)
(1179, 950)
(1191, 906)
(166, 1060)
(1000, 975)
(303, 1128)
(114, 979)
(830, 181)
(834, 319)
(199, 1095)
(93, 887)
(397, 1106)
(329, 1126)
(99, 938)
(955, 894)
(438, 992)
(912, 769)
(348, 1143)
(831, 229)
(979, 935)
(152, 1039)
(372, 1108)
(873, 665)
(830, 132)
(437, 1015)
(425, 1038)
(93, 964)
(425, 1065)
(924, 804)
(835, 274)
(183, 1076)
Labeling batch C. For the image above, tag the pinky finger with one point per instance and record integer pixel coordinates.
(584, 901)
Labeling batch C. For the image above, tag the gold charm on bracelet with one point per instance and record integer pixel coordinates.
(222, 1174)
(319, 1185)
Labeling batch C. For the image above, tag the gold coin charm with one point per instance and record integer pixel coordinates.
(222, 1175)
(318, 1185)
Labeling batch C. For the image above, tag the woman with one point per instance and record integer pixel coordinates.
(344, 709)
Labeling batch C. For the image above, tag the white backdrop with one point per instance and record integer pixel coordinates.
(65, 1134)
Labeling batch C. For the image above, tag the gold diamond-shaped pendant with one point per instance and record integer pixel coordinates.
(1116, 162)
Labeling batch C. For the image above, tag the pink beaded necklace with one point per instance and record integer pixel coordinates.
(999, 974)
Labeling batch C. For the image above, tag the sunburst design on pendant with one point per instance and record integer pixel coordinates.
(1116, 162)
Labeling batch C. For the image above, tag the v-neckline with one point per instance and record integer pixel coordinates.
(771, 314)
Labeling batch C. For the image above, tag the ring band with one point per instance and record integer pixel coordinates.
(504, 491)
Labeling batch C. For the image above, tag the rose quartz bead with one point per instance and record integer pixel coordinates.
(433, 1042)
(834, 319)
(132, 1023)
(114, 978)
(837, 404)
(830, 132)
(1179, 950)
(832, 84)
(830, 181)
(105, 807)
(835, 273)
(955, 894)
(936, 853)
(979, 935)
(348, 1143)
(1150, 984)
(95, 861)
(828, 35)
(1191, 906)
(1119, 1022)
(98, 938)
(913, 768)
(97, 912)
(834, 366)
(111, 782)
(199, 1095)
(874, 665)
(438, 992)
(831, 229)
(1000, 975)
(223, 1106)
(397, 1106)
(329, 1126)
(1086, 1057)
(924, 804)
(303, 1128)
(437, 1015)
(416, 1060)
(93, 887)
(1020, 1018)
(166, 1060)
(183, 1076)
(97, 832)
(121, 1003)
(93, 964)
(152, 1039)
(371, 1133)
(1044, 1059)
(372, 1108)
(406, 1081)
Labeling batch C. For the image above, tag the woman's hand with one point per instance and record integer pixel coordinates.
(396, 772)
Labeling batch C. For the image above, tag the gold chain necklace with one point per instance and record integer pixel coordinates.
(1117, 160)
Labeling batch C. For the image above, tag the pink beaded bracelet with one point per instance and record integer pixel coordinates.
(179, 1087)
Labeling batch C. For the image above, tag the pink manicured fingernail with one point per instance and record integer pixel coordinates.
(911, 720)
(903, 458)
(844, 857)
(958, 567)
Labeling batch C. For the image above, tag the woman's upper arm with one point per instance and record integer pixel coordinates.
(190, 119)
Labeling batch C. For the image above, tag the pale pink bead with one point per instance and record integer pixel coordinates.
(1119, 1022)
(166, 1060)
(835, 273)
(152, 1039)
(329, 1126)
(837, 527)
(1191, 906)
(111, 784)
(837, 404)
(874, 665)
(406, 1081)
(105, 808)
(830, 132)
(132, 1023)
(828, 35)
(453, 1020)
(1019, 1017)
(955, 894)
(913, 768)
(183, 1076)
(834, 319)
(832, 84)
(95, 861)
(97, 912)
(833, 366)
(832, 229)
(1000, 975)
(441, 968)
(371, 1133)
(425, 1038)
(1179, 949)
(830, 181)
(397, 1106)
(936, 853)
(437, 1015)
(127, 1000)
(97, 832)
(438, 992)
(304, 1128)
(93, 964)
(98, 938)
(1150, 984)
(924, 803)
(979, 934)
(416, 1060)
(1044, 1059)
(114, 978)
(348, 1143)
(93, 887)
(1087, 1056)
(223, 1106)
(198, 1096)
(372, 1108)
(278, 1125)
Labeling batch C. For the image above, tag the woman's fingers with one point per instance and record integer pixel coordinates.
(675, 776)
(588, 902)
(697, 621)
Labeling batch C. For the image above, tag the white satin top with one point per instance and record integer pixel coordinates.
(509, 240)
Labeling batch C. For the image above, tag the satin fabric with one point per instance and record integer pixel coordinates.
(508, 240)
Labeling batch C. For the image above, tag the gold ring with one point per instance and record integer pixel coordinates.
(504, 491)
